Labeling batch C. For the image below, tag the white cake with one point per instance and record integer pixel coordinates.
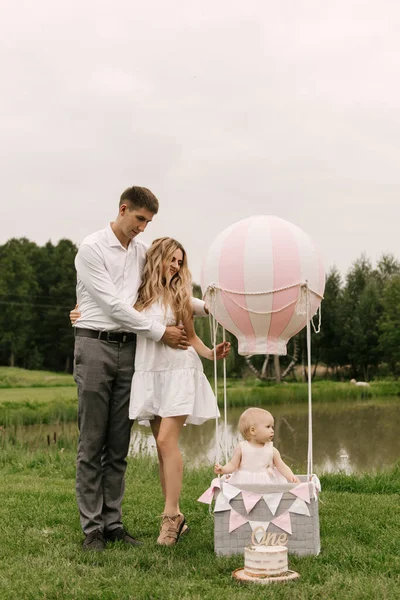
(265, 561)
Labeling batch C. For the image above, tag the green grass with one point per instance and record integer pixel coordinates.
(29, 397)
(40, 543)
(384, 482)
(28, 406)
(239, 390)
(14, 377)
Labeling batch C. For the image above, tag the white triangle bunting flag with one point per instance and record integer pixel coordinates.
(261, 527)
(221, 503)
(230, 491)
(273, 501)
(317, 485)
(299, 507)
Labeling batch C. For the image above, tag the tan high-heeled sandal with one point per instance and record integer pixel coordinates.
(171, 529)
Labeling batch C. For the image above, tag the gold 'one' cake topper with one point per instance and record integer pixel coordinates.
(268, 539)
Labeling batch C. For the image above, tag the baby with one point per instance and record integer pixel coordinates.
(255, 460)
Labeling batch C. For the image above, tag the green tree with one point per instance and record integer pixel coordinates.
(356, 280)
(328, 340)
(366, 333)
(362, 308)
(389, 324)
(18, 287)
(56, 278)
(387, 268)
(37, 291)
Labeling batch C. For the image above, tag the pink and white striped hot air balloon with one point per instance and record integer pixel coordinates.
(256, 278)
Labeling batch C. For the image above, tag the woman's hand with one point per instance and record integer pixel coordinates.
(74, 315)
(222, 350)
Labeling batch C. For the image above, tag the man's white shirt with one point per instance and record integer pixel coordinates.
(108, 280)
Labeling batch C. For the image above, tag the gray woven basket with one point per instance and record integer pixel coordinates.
(304, 539)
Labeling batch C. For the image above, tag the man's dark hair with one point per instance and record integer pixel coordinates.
(139, 197)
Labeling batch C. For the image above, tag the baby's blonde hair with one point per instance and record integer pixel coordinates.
(249, 418)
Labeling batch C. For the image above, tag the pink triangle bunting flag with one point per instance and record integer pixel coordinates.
(216, 483)
(207, 497)
(284, 522)
(236, 520)
(250, 499)
(302, 491)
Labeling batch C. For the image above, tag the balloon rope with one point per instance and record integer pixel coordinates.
(263, 312)
(298, 301)
(317, 329)
(310, 440)
(225, 404)
(214, 328)
(214, 286)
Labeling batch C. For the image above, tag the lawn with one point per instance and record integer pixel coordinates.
(41, 556)
(16, 377)
(30, 405)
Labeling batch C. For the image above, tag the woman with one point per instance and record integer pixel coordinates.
(169, 387)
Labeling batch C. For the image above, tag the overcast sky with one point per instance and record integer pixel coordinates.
(224, 109)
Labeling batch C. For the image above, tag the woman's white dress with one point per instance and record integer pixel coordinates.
(169, 382)
(256, 466)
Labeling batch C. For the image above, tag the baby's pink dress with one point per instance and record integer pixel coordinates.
(256, 466)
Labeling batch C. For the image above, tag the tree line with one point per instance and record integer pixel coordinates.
(360, 333)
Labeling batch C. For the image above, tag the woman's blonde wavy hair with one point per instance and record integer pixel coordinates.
(174, 291)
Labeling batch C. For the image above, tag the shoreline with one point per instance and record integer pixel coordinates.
(48, 404)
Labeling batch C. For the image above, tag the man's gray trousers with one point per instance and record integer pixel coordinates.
(103, 372)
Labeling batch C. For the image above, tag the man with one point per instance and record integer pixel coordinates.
(109, 265)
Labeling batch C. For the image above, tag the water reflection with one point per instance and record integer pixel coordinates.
(358, 437)
(347, 438)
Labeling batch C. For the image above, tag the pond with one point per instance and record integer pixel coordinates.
(358, 437)
(347, 437)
